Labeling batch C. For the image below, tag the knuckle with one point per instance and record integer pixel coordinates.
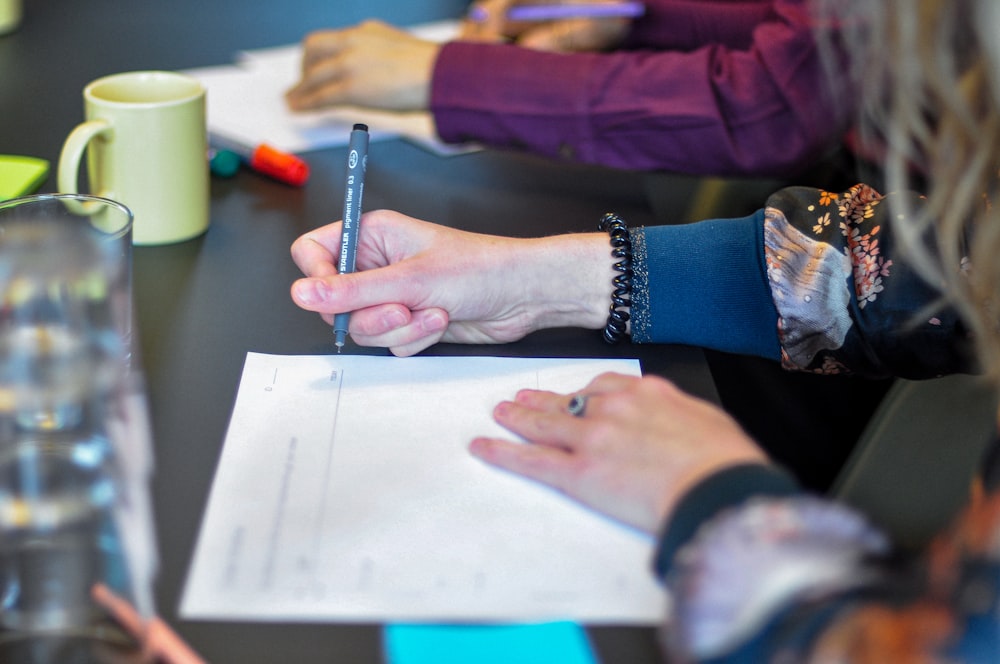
(600, 433)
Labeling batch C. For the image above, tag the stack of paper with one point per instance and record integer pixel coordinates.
(246, 104)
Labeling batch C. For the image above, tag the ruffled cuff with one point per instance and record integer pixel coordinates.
(749, 565)
(725, 489)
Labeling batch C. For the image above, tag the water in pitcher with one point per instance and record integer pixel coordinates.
(56, 491)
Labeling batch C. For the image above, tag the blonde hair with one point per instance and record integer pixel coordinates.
(928, 76)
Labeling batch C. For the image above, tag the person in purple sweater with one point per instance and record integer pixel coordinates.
(717, 87)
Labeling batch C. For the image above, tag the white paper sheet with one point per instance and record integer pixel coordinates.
(246, 103)
(345, 492)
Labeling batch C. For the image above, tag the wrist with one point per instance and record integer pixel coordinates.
(420, 94)
(619, 312)
(571, 284)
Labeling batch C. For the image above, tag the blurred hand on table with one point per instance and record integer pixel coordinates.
(376, 65)
(371, 64)
(563, 36)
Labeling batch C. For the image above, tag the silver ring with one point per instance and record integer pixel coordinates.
(577, 405)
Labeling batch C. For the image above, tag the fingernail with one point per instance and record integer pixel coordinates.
(435, 322)
(480, 446)
(393, 319)
(311, 291)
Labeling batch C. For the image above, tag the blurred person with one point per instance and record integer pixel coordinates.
(719, 87)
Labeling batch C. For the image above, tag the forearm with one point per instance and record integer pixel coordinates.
(763, 571)
(688, 24)
(847, 293)
(755, 567)
(711, 110)
(816, 279)
(725, 490)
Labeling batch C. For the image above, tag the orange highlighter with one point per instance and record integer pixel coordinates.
(266, 160)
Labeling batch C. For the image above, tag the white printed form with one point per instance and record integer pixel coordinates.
(346, 492)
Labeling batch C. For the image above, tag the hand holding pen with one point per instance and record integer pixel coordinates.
(419, 283)
(554, 25)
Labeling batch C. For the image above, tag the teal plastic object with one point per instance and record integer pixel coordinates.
(223, 163)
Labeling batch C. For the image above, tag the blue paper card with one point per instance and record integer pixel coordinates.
(543, 643)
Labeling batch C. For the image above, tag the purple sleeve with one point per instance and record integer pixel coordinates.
(712, 110)
(685, 25)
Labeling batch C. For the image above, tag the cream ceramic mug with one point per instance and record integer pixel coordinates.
(147, 147)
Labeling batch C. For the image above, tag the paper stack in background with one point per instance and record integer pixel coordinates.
(246, 104)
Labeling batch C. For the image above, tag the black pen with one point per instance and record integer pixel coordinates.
(357, 161)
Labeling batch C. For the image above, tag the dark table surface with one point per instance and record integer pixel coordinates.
(203, 304)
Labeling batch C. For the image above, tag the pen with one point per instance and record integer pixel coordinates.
(266, 159)
(556, 12)
(354, 189)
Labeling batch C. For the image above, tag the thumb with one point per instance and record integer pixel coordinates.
(312, 294)
(350, 292)
(572, 35)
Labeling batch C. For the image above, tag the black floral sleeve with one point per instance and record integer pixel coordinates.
(847, 300)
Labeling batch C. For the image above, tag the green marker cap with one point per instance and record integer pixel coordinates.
(224, 163)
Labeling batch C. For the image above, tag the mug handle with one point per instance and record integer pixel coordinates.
(69, 161)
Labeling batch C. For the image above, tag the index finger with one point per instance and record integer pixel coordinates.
(319, 45)
(155, 635)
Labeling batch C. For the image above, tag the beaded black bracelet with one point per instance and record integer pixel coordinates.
(621, 294)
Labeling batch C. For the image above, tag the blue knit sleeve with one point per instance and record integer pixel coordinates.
(705, 285)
